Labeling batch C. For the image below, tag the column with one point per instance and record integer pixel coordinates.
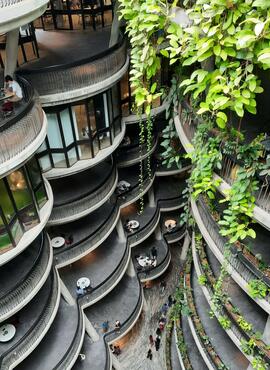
(115, 362)
(90, 330)
(151, 197)
(130, 270)
(185, 247)
(120, 231)
(66, 294)
(266, 333)
(158, 234)
(11, 51)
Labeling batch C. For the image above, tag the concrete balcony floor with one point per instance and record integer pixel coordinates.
(95, 355)
(194, 355)
(15, 271)
(68, 189)
(168, 187)
(26, 319)
(117, 305)
(56, 342)
(249, 309)
(83, 227)
(260, 245)
(225, 348)
(55, 46)
(131, 212)
(97, 265)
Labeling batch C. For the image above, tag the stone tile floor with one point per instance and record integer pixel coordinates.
(133, 356)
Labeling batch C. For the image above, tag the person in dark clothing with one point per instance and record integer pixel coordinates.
(170, 301)
(157, 343)
(154, 252)
(151, 340)
(149, 354)
(158, 332)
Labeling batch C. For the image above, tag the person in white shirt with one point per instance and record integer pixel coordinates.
(12, 87)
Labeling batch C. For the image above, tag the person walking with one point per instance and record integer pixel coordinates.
(158, 332)
(157, 343)
(151, 340)
(164, 309)
(149, 354)
(154, 252)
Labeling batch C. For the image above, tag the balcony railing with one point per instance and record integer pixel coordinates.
(61, 213)
(14, 298)
(21, 130)
(229, 163)
(220, 242)
(32, 336)
(5, 3)
(79, 74)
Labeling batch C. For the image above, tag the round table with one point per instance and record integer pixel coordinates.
(133, 224)
(7, 332)
(123, 185)
(146, 261)
(83, 283)
(58, 242)
(170, 224)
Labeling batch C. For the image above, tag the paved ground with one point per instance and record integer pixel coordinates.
(133, 355)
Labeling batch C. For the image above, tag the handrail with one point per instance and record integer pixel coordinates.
(34, 264)
(92, 191)
(69, 355)
(77, 63)
(28, 101)
(39, 323)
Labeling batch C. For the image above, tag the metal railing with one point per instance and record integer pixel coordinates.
(73, 208)
(220, 241)
(20, 130)
(33, 334)
(72, 76)
(69, 252)
(25, 286)
(5, 3)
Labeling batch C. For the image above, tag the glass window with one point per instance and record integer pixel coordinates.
(85, 151)
(5, 203)
(41, 196)
(66, 127)
(72, 156)
(34, 173)
(5, 241)
(59, 160)
(92, 116)
(54, 135)
(80, 122)
(22, 198)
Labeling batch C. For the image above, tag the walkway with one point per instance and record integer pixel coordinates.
(133, 356)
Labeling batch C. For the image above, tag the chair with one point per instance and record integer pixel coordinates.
(95, 9)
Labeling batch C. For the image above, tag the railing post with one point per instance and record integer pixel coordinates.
(66, 294)
(130, 270)
(185, 248)
(90, 330)
(120, 231)
(151, 197)
(11, 51)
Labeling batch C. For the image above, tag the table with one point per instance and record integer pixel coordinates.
(58, 242)
(146, 261)
(83, 283)
(7, 332)
(133, 224)
(170, 224)
(123, 185)
(5, 96)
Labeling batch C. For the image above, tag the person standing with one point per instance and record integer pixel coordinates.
(154, 252)
(149, 354)
(157, 343)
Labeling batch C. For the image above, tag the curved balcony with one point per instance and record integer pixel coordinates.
(78, 195)
(16, 13)
(113, 255)
(23, 277)
(235, 332)
(219, 349)
(210, 231)
(87, 233)
(185, 124)
(129, 155)
(34, 321)
(163, 258)
(169, 193)
(124, 303)
(79, 79)
(62, 343)
(136, 190)
(23, 132)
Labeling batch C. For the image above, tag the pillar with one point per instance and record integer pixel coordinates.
(158, 234)
(151, 197)
(130, 270)
(11, 51)
(120, 231)
(115, 362)
(66, 294)
(266, 333)
(185, 247)
(90, 330)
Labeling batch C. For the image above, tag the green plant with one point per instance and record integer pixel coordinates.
(244, 325)
(224, 322)
(202, 280)
(258, 363)
(257, 289)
